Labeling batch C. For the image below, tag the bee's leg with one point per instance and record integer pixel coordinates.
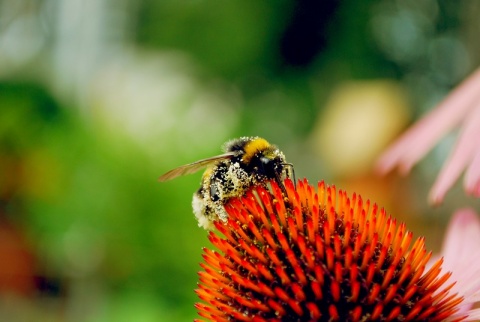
(278, 179)
(291, 173)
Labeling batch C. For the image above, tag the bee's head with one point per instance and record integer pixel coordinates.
(260, 158)
(268, 162)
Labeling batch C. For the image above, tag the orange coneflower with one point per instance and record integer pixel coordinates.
(300, 253)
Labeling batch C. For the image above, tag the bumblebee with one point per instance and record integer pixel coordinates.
(246, 162)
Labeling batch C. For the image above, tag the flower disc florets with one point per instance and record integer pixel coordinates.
(300, 254)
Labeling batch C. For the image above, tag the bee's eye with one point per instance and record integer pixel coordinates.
(265, 160)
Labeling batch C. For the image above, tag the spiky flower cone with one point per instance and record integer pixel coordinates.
(318, 255)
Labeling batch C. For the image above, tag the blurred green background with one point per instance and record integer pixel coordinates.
(100, 97)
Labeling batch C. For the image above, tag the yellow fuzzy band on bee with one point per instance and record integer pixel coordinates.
(253, 147)
(206, 175)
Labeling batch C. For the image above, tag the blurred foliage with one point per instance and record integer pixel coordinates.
(113, 93)
(89, 213)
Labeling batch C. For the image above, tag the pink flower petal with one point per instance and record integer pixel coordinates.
(422, 136)
(473, 315)
(472, 176)
(462, 155)
(462, 238)
(462, 256)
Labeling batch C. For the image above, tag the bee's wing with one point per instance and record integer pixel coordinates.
(194, 167)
